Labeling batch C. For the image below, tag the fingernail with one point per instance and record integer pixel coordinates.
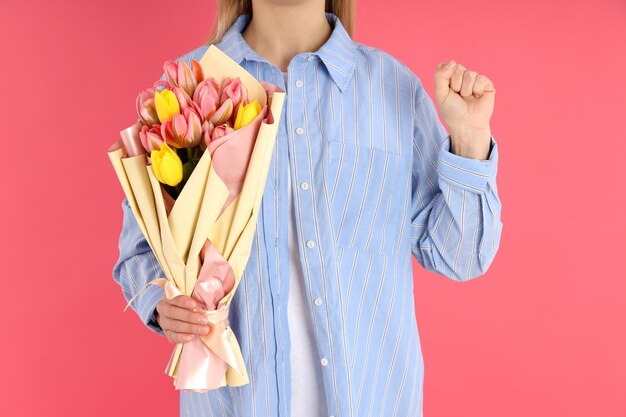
(450, 64)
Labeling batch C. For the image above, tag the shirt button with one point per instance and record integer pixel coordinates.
(304, 185)
(310, 243)
(298, 83)
(299, 131)
(324, 361)
(318, 301)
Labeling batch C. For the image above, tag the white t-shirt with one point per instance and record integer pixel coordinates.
(307, 387)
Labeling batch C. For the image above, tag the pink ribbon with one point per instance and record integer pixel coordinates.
(205, 359)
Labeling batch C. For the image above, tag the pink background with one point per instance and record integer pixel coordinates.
(542, 334)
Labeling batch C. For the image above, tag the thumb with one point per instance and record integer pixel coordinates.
(442, 78)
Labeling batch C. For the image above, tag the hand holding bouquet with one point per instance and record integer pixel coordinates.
(193, 168)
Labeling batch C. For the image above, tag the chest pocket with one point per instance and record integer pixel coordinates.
(362, 184)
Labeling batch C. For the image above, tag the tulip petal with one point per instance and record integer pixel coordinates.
(197, 70)
(193, 135)
(222, 114)
(186, 78)
(247, 113)
(166, 165)
(183, 98)
(166, 104)
(239, 116)
(171, 73)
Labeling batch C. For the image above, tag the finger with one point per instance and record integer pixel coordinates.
(456, 80)
(469, 78)
(481, 85)
(184, 314)
(442, 78)
(175, 337)
(182, 301)
(445, 69)
(183, 326)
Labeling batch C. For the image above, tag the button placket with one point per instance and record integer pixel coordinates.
(303, 177)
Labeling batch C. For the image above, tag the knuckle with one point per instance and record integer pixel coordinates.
(178, 326)
(186, 301)
(199, 329)
(188, 316)
(166, 308)
(201, 318)
(189, 328)
(165, 322)
(172, 311)
(178, 313)
(173, 301)
(173, 336)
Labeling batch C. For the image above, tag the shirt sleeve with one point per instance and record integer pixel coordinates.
(455, 218)
(136, 266)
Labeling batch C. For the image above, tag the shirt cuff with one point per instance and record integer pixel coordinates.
(146, 307)
(468, 173)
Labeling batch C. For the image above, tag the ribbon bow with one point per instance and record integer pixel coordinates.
(205, 358)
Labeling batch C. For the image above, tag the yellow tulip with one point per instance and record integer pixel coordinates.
(247, 113)
(166, 104)
(166, 165)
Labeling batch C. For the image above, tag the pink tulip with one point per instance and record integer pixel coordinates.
(222, 115)
(207, 131)
(183, 98)
(186, 78)
(220, 131)
(151, 137)
(180, 74)
(207, 97)
(184, 130)
(235, 90)
(170, 68)
(145, 107)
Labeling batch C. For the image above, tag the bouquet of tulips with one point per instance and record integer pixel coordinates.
(181, 120)
(193, 168)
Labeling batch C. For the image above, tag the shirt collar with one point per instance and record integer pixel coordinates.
(338, 53)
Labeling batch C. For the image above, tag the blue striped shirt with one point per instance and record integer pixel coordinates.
(375, 184)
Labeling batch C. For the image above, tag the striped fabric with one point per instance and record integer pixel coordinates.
(375, 184)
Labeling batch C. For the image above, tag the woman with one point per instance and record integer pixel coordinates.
(363, 177)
